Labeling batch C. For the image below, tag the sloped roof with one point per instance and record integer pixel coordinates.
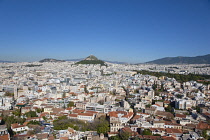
(202, 125)
(85, 114)
(173, 130)
(180, 115)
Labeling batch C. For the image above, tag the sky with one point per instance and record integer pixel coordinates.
(133, 31)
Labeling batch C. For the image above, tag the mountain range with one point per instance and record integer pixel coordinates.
(3, 61)
(51, 60)
(115, 62)
(75, 60)
(205, 59)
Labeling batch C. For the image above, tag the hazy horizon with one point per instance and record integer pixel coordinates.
(133, 31)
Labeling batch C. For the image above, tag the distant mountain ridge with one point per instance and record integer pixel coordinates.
(74, 59)
(3, 61)
(51, 60)
(205, 59)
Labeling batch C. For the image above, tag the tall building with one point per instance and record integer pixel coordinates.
(15, 92)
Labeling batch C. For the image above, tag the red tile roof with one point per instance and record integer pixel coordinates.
(173, 130)
(168, 138)
(136, 117)
(16, 125)
(130, 114)
(64, 138)
(69, 108)
(113, 114)
(151, 137)
(73, 115)
(180, 115)
(202, 126)
(85, 114)
(78, 111)
(4, 137)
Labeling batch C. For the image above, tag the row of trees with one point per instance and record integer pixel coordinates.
(29, 114)
(16, 118)
(123, 135)
(179, 77)
(7, 93)
(63, 123)
(101, 125)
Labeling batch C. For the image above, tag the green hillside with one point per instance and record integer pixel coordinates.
(183, 60)
(92, 60)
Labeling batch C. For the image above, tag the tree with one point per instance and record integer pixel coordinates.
(162, 88)
(30, 114)
(39, 110)
(179, 77)
(147, 132)
(135, 138)
(156, 135)
(204, 134)
(63, 123)
(179, 96)
(17, 112)
(70, 104)
(148, 106)
(169, 108)
(103, 127)
(34, 122)
(9, 93)
(124, 135)
(115, 138)
(198, 109)
(8, 120)
(35, 130)
(64, 95)
(62, 118)
(44, 118)
(85, 89)
(154, 86)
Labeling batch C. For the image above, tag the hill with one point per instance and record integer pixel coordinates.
(114, 62)
(3, 61)
(91, 60)
(205, 59)
(50, 60)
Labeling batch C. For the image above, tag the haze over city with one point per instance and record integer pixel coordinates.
(120, 30)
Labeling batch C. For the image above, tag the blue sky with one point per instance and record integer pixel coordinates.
(119, 30)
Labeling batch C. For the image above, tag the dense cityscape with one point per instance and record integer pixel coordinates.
(67, 100)
(104, 70)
